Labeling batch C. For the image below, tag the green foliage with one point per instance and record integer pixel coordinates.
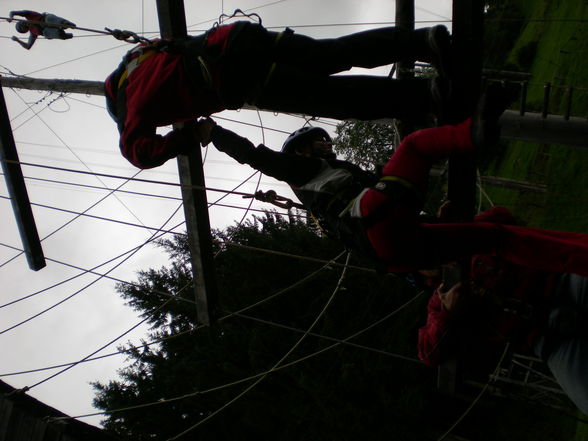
(364, 143)
(526, 55)
(503, 22)
(343, 393)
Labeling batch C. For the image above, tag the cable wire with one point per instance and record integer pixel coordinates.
(149, 181)
(92, 216)
(22, 322)
(277, 364)
(326, 337)
(468, 410)
(177, 295)
(153, 195)
(227, 316)
(71, 220)
(80, 159)
(244, 380)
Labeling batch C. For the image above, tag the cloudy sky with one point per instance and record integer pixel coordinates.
(75, 132)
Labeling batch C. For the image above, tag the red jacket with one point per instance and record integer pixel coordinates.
(34, 28)
(159, 92)
(510, 303)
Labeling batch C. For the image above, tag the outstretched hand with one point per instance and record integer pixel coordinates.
(203, 129)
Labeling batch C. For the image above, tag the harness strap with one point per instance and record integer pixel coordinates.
(395, 187)
(135, 62)
(206, 75)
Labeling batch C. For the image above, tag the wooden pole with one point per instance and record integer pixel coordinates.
(405, 68)
(54, 85)
(467, 69)
(18, 192)
(172, 23)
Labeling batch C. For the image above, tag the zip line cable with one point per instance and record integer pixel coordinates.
(386, 23)
(126, 36)
(244, 380)
(278, 363)
(442, 19)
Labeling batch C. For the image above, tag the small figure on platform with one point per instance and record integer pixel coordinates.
(243, 63)
(48, 25)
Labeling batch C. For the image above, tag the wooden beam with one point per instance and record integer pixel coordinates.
(172, 24)
(405, 20)
(55, 85)
(18, 192)
(551, 129)
(468, 17)
(405, 68)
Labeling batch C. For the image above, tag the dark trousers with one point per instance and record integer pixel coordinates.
(287, 72)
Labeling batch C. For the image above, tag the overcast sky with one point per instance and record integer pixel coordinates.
(75, 132)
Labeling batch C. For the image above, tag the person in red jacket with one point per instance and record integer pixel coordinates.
(48, 25)
(244, 63)
(537, 312)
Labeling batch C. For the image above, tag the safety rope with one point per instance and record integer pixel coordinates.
(127, 36)
(272, 197)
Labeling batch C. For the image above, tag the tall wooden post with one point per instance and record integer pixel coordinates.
(468, 17)
(18, 192)
(405, 68)
(172, 23)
